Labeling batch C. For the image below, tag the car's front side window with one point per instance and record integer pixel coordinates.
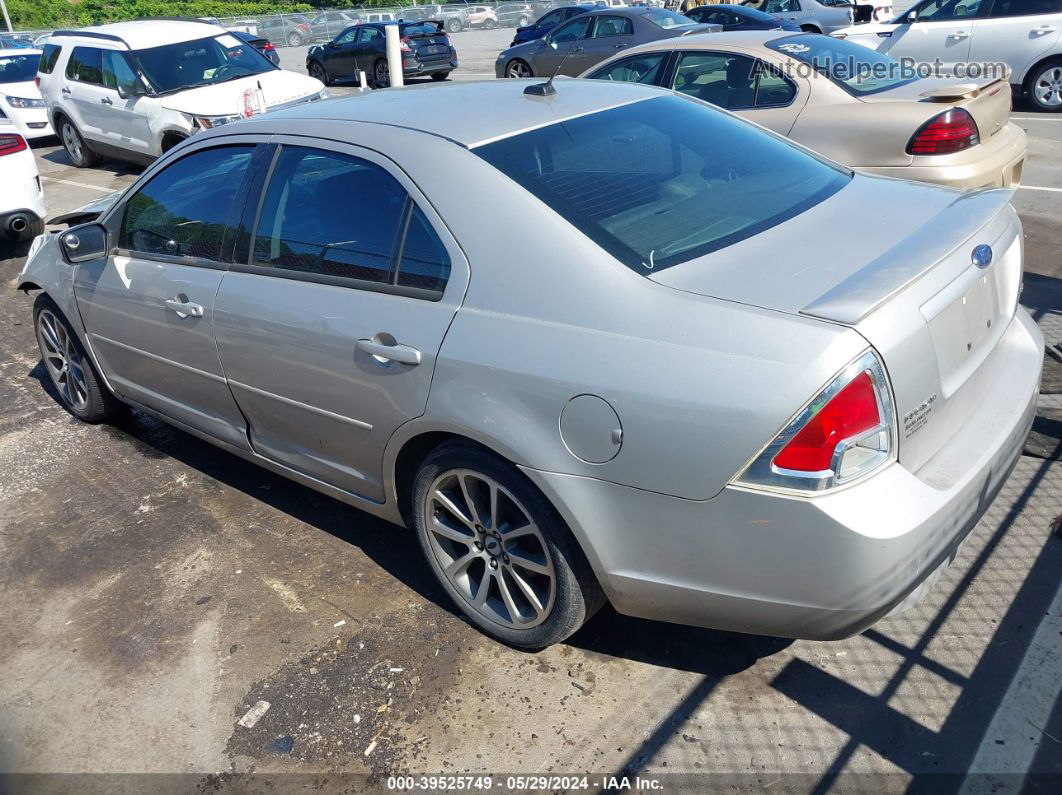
(86, 65)
(636, 69)
(189, 208)
(347, 36)
(574, 30)
(117, 73)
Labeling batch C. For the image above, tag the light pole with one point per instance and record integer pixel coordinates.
(7, 19)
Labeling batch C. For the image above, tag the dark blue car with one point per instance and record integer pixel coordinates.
(548, 22)
(733, 17)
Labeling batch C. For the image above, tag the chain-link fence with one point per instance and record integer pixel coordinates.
(314, 27)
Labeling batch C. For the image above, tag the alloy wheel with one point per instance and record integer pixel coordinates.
(317, 71)
(62, 360)
(518, 69)
(1047, 88)
(381, 74)
(490, 549)
(72, 143)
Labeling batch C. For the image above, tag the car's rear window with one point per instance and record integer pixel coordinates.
(662, 181)
(421, 29)
(857, 69)
(667, 20)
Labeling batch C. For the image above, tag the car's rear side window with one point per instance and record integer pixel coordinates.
(48, 58)
(86, 65)
(424, 262)
(664, 180)
(188, 208)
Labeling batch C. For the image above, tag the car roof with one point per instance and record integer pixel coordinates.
(141, 34)
(747, 39)
(455, 111)
(5, 51)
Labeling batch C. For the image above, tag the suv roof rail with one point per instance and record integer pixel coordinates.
(90, 34)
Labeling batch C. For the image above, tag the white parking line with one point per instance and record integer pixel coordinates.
(1037, 187)
(79, 184)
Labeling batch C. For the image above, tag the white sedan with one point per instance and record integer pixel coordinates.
(20, 99)
(22, 208)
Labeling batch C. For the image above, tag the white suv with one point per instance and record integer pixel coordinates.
(133, 90)
(1023, 34)
(22, 208)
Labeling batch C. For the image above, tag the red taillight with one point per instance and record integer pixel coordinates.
(37, 81)
(9, 144)
(951, 131)
(268, 46)
(852, 411)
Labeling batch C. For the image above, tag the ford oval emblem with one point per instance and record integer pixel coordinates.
(982, 256)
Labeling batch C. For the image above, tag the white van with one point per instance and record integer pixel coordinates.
(133, 90)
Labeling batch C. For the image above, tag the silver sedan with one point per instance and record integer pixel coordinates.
(606, 344)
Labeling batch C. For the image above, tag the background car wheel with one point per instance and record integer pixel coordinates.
(490, 24)
(71, 372)
(80, 155)
(1043, 87)
(381, 75)
(294, 39)
(524, 22)
(518, 68)
(500, 550)
(318, 72)
(439, 75)
(454, 26)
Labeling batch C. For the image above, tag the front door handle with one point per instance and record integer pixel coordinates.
(620, 46)
(184, 308)
(576, 49)
(394, 353)
(1046, 29)
(66, 91)
(960, 34)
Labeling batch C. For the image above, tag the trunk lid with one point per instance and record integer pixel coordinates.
(908, 283)
(989, 102)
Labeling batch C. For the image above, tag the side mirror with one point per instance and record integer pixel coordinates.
(912, 16)
(331, 45)
(83, 243)
(132, 90)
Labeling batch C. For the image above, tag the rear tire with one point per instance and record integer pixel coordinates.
(76, 148)
(439, 75)
(381, 74)
(1043, 86)
(520, 577)
(81, 390)
(294, 39)
(454, 26)
(490, 24)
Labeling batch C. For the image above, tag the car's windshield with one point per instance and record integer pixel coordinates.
(202, 62)
(18, 68)
(667, 20)
(858, 70)
(662, 181)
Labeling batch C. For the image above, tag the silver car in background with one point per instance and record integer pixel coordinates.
(813, 16)
(612, 343)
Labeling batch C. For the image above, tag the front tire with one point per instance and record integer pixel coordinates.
(500, 550)
(76, 148)
(1043, 87)
(318, 72)
(454, 26)
(294, 39)
(517, 68)
(81, 390)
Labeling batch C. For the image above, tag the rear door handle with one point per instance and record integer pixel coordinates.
(620, 46)
(1046, 29)
(107, 101)
(184, 308)
(66, 90)
(394, 353)
(577, 49)
(960, 34)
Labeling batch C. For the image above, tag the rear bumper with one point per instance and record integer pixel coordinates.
(446, 63)
(998, 164)
(820, 568)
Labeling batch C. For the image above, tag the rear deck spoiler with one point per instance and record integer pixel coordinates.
(866, 290)
(962, 90)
